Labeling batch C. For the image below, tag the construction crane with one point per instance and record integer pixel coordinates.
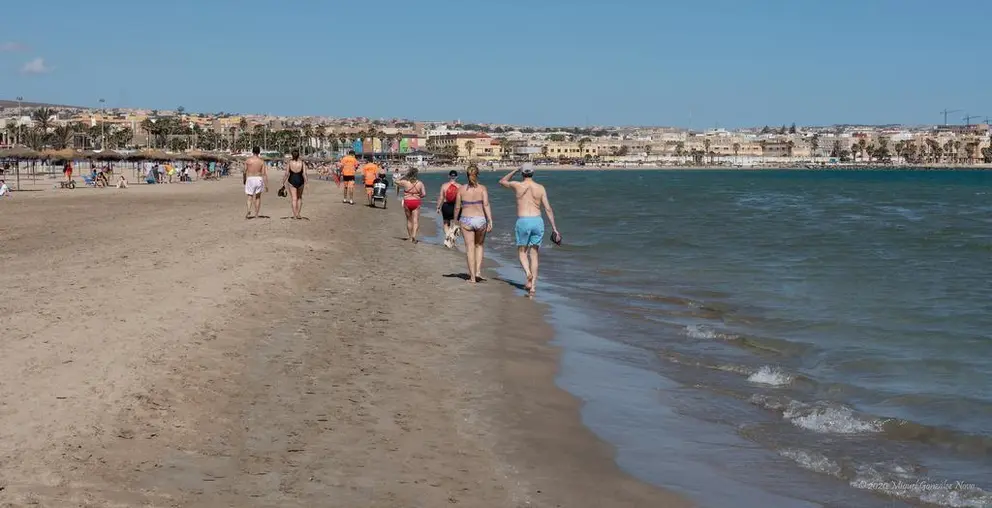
(967, 119)
(945, 113)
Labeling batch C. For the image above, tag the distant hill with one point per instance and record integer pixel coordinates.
(13, 104)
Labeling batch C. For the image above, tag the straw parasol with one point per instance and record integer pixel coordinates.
(66, 154)
(103, 155)
(150, 155)
(19, 153)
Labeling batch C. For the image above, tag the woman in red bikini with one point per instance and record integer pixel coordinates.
(413, 194)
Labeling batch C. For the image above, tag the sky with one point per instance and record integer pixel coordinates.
(718, 63)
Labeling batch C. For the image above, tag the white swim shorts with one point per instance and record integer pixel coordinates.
(254, 185)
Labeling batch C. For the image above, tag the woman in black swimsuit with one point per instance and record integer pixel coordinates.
(296, 176)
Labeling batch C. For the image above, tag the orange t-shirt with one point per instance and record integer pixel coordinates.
(348, 165)
(370, 170)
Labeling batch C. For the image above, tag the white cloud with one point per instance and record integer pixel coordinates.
(36, 66)
(10, 47)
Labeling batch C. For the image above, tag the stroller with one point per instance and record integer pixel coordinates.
(379, 191)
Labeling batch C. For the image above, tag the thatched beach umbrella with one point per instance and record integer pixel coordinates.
(20, 153)
(66, 154)
(103, 155)
(152, 155)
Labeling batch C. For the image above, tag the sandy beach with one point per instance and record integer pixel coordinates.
(160, 350)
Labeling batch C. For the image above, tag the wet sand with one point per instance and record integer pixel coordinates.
(160, 350)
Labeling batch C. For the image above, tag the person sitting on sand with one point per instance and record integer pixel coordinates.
(476, 218)
(122, 182)
(256, 180)
(413, 193)
(4, 190)
(531, 197)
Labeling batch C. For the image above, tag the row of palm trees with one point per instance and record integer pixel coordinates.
(930, 151)
(43, 134)
(176, 134)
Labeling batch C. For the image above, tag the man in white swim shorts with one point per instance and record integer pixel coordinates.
(256, 181)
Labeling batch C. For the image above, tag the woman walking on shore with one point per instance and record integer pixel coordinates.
(413, 194)
(446, 207)
(476, 218)
(296, 176)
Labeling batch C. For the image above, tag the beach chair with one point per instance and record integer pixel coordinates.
(89, 180)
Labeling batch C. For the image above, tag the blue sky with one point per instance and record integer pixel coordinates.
(546, 62)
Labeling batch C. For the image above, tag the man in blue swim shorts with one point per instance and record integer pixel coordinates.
(532, 198)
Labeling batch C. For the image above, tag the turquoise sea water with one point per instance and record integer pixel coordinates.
(799, 338)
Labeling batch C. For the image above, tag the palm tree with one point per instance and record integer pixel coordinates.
(971, 148)
(306, 143)
(122, 138)
(862, 147)
(469, 146)
(789, 146)
(680, 149)
(582, 145)
(372, 134)
(504, 147)
(544, 151)
(321, 134)
(62, 136)
(243, 129)
(35, 138)
(814, 145)
(706, 146)
(43, 117)
(737, 149)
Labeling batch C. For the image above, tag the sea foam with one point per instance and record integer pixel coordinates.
(772, 376)
(821, 418)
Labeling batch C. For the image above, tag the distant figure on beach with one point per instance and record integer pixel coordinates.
(446, 207)
(532, 197)
(476, 218)
(296, 176)
(256, 181)
(369, 173)
(348, 165)
(4, 190)
(122, 182)
(396, 178)
(413, 193)
(67, 171)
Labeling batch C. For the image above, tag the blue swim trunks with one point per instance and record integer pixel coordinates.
(529, 231)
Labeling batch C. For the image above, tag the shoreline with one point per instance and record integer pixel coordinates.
(295, 374)
(783, 167)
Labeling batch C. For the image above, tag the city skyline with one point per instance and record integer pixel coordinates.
(635, 63)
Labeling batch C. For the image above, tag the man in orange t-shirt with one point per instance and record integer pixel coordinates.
(369, 171)
(348, 165)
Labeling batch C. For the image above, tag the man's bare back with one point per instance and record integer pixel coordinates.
(530, 198)
(255, 166)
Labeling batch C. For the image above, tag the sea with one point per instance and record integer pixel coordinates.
(790, 338)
